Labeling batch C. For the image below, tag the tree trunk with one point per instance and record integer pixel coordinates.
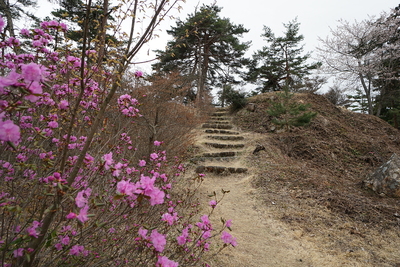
(367, 90)
(199, 76)
(379, 104)
(5, 7)
(102, 33)
(153, 129)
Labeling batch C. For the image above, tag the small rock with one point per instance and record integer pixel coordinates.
(251, 107)
(258, 148)
(385, 180)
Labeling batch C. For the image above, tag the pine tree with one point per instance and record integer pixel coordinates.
(99, 20)
(13, 11)
(281, 62)
(287, 113)
(202, 47)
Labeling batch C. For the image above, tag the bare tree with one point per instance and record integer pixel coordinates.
(352, 53)
(362, 53)
(336, 96)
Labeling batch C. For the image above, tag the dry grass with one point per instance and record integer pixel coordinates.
(311, 179)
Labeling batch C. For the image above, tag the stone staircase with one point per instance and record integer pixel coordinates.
(222, 146)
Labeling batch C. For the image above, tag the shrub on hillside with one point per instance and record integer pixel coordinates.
(286, 112)
(234, 98)
(72, 190)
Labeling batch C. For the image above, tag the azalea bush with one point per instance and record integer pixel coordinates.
(72, 191)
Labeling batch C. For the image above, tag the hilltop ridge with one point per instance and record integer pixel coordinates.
(311, 178)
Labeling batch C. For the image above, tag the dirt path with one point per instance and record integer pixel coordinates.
(262, 239)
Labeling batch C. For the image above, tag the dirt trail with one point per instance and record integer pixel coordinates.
(262, 239)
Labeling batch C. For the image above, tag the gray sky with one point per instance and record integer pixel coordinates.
(315, 16)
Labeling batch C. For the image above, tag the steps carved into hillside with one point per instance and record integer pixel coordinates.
(220, 169)
(222, 155)
(217, 126)
(220, 132)
(219, 137)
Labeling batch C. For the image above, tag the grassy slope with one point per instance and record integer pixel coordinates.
(315, 173)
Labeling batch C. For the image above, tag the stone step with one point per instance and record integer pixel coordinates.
(217, 156)
(219, 122)
(220, 159)
(217, 126)
(219, 114)
(220, 119)
(218, 145)
(223, 137)
(220, 169)
(221, 154)
(220, 132)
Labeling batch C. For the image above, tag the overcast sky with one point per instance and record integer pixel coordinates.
(315, 16)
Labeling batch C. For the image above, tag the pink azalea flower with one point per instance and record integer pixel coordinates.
(170, 219)
(37, 43)
(9, 131)
(76, 250)
(81, 199)
(228, 239)
(147, 183)
(156, 196)
(71, 215)
(165, 262)
(182, 239)
(164, 177)
(32, 230)
(11, 79)
(35, 89)
(126, 188)
(142, 163)
(157, 143)
(32, 72)
(63, 104)
(212, 204)
(143, 233)
(25, 32)
(53, 124)
(88, 159)
(206, 235)
(153, 156)
(117, 168)
(228, 223)
(82, 217)
(64, 26)
(64, 240)
(205, 223)
(158, 240)
(108, 160)
(19, 252)
(138, 74)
